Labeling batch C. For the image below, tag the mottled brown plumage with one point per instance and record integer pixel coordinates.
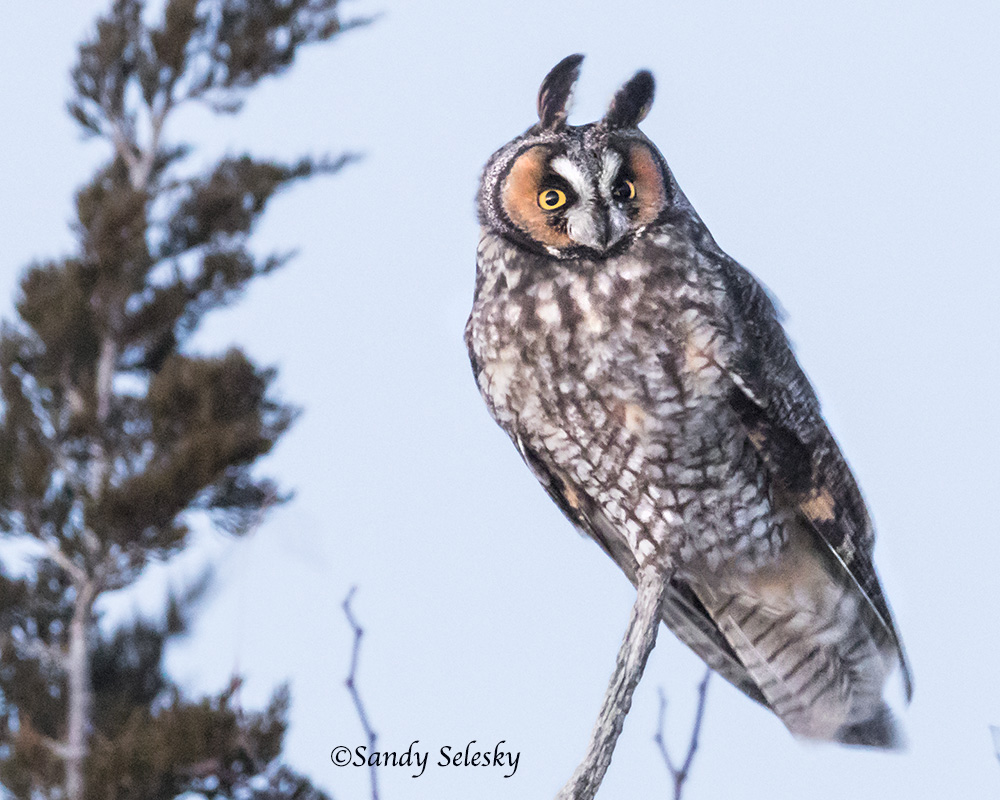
(645, 379)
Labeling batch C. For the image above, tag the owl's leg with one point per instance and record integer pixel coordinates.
(640, 638)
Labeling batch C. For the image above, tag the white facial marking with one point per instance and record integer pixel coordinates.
(618, 219)
(580, 223)
(611, 164)
(584, 223)
(573, 175)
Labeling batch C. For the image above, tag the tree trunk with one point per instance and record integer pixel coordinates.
(78, 679)
(79, 690)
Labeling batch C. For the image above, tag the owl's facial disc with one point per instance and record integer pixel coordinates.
(575, 204)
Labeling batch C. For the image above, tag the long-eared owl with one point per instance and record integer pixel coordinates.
(644, 377)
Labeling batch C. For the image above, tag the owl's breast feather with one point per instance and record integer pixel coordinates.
(613, 384)
(616, 329)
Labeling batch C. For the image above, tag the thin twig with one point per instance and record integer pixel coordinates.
(76, 573)
(54, 746)
(680, 775)
(351, 685)
(640, 637)
(123, 143)
(140, 171)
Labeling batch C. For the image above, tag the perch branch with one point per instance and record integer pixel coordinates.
(640, 637)
(351, 684)
(680, 774)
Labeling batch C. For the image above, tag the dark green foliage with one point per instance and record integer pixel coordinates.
(32, 688)
(209, 420)
(32, 614)
(150, 741)
(208, 50)
(226, 202)
(181, 746)
(114, 436)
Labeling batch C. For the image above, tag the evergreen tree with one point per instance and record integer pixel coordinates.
(113, 435)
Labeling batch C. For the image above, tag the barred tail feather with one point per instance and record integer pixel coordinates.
(807, 640)
(879, 730)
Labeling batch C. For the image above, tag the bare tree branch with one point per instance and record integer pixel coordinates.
(59, 749)
(680, 774)
(995, 730)
(124, 145)
(640, 638)
(351, 684)
(139, 171)
(76, 573)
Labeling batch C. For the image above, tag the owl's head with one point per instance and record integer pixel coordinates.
(579, 191)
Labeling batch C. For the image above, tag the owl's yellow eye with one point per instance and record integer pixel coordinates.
(551, 199)
(625, 190)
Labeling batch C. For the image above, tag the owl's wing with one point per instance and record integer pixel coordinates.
(782, 416)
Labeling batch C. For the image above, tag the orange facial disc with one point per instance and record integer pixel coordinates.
(649, 186)
(519, 196)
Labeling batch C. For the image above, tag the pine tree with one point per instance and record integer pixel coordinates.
(114, 437)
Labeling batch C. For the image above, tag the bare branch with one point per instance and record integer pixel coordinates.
(142, 169)
(123, 145)
(92, 543)
(70, 567)
(680, 774)
(995, 731)
(351, 684)
(57, 748)
(640, 638)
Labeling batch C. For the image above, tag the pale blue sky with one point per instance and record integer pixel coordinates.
(846, 153)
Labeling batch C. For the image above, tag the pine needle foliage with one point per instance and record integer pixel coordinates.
(115, 436)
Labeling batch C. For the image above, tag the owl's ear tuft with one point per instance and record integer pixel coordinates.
(555, 91)
(632, 102)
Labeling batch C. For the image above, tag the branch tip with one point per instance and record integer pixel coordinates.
(680, 774)
(351, 685)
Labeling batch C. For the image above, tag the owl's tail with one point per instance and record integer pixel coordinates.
(806, 639)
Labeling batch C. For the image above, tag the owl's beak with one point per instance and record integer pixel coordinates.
(597, 228)
(591, 230)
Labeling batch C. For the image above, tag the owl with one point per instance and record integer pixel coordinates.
(645, 379)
